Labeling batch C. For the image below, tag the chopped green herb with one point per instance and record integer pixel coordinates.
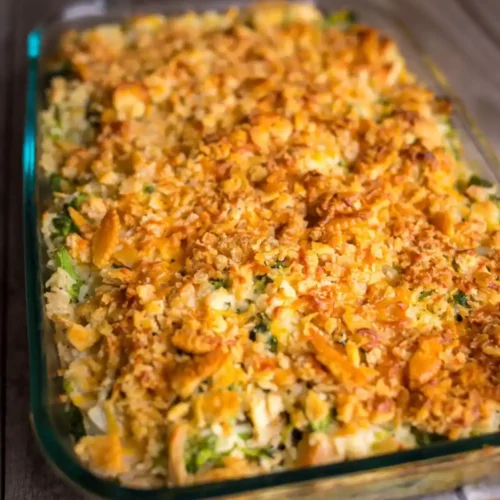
(149, 188)
(74, 291)
(322, 425)
(279, 264)
(75, 422)
(68, 386)
(426, 293)
(424, 438)
(261, 283)
(204, 456)
(77, 201)
(245, 436)
(460, 298)
(56, 183)
(272, 343)
(199, 451)
(343, 18)
(382, 435)
(261, 326)
(63, 260)
(475, 180)
(258, 453)
(220, 283)
(494, 197)
(63, 225)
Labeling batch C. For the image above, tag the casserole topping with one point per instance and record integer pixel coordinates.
(266, 249)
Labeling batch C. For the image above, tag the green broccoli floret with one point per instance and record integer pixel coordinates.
(63, 225)
(245, 436)
(63, 260)
(200, 451)
(261, 282)
(77, 201)
(261, 326)
(424, 438)
(426, 293)
(272, 343)
(68, 386)
(475, 180)
(321, 425)
(279, 264)
(258, 453)
(56, 183)
(220, 283)
(75, 422)
(460, 298)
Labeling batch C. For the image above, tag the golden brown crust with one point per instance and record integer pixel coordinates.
(188, 375)
(279, 240)
(105, 239)
(314, 450)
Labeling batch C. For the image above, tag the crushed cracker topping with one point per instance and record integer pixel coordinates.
(267, 250)
(105, 239)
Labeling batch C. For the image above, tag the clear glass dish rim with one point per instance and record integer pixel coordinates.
(56, 453)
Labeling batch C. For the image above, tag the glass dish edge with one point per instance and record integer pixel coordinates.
(54, 450)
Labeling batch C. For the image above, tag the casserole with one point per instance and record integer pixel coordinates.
(267, 296)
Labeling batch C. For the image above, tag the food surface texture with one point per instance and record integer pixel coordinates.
(266, 250)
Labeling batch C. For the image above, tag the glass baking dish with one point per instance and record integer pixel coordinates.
(432, 468)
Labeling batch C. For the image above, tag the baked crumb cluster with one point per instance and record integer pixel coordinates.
(266, 251)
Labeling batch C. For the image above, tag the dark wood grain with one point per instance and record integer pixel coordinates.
(5, 88)
(463, 51)
(27, 475)
(462, 35)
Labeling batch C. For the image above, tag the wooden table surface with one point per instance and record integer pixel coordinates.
(462, 35)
